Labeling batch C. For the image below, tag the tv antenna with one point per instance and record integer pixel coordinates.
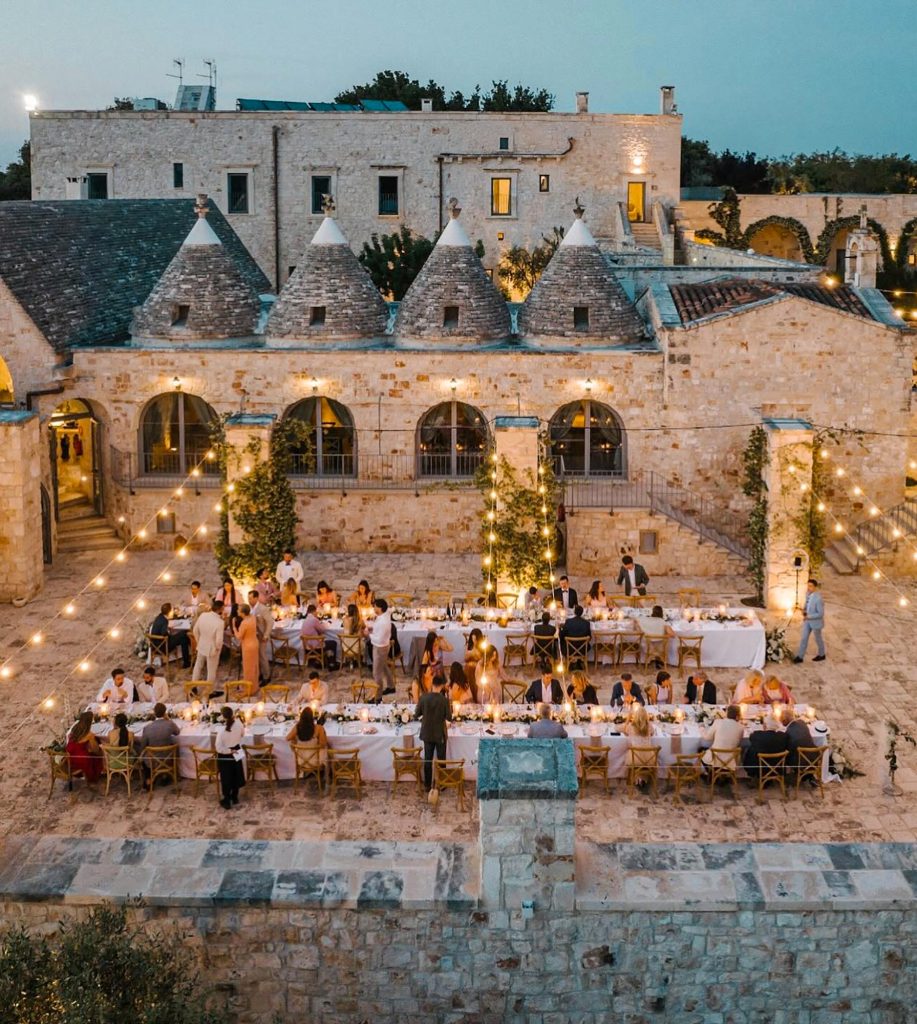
(211, 75)
(179, 63)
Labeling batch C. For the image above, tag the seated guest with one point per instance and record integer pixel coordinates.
(545, 728)
(655, 625)
(352, 623)
(461, 689)
(547, 689)
(777, 692)
(581, 690)
(313, 689)
(700, 690)
(313, 627)
(565, 596)
(545, 637)
(797, 735)
(488, 675)
(118, 689)
(769, 740)
(750, 689)
(152, 688)
(626, 692)
(662, 690)
(639, 730)
(575, 628)
(120, 735)
(362, 597)
(227, 594)
(474, 651)
(83, 748)
(596, 598)
(725, 733)
(325, 595)
(307, 730)
(289, 595)
(159, 628)
(532, 600)
(431, 661)
(267, 591)
(161, 732)
(195, 597)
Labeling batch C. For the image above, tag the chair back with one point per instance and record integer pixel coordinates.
(406, 761)
(593, 760)
(688, 597)
(197, 691)
(629, 644)
(276, 693)
(205, 762)
(544, 646)
(439, 598)
(116, 759)
(447, 774)
(644, 758)
(808, 765)
(516, 648)
(512, 691)
(308, 756)
(689, 649)
(772, 768)
(60, 764)
(506, 600)
(352, 646)
(475, 599)
(399, 599)
(724, 760)
(577, 650)
(238, 691)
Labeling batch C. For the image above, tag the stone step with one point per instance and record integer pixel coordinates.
(96, 542)
(76, 509)
(96, 529)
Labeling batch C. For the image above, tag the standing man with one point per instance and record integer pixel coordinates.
(288, 568)
(565, 595)
(633, 577)
(264, 622)
(813, 621)
(208, 632)
(435, 710)
(380, 637)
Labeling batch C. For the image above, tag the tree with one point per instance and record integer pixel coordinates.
(520, 269)
(393, 261)
(121, 103)
(16, 181)
(726, 214)
(701, 166)
(398, 85)
(101, 970)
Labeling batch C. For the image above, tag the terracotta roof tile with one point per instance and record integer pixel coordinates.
(696, 301)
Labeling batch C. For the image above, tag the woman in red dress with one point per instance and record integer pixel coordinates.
(83, 748)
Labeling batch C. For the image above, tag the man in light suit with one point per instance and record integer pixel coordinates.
(633, 577)
(813, 621)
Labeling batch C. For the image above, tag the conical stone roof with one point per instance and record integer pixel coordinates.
(578, 297)
(201, 295)
(329, 295)
(452, 296)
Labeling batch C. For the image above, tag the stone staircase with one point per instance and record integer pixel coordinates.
(81, 528)
(871, 537)
(645, 235)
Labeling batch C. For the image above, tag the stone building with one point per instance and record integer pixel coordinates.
(646, 379)
(267, 170)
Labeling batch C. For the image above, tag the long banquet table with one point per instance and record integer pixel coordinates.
(377, 734)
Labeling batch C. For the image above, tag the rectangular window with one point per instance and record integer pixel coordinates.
(316, 316)
(388, 195)
(580, 318)
(97, 185)
(544, 182)
(178, 175)
(501, 197)
(504, 142)
(649, 542)
(450, 316)
(180, 315)
(165, 523)
(321, 186)
(237, 193)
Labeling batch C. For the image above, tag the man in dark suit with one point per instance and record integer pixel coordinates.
(576, 628)
(700, 689)
(632, 577)
(626, 691)
(797, 735)
(565, 595)
(764, 741)
(546, 690)
(434, 710)
(176, 638)
(545, 638)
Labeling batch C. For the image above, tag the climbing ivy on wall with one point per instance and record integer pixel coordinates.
(831, 229)
(754, 486)
(798, 229)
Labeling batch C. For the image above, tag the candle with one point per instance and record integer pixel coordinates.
(489, 710)
(498, 713)
(314, 705)
(568, 707)
(364, 714)
(259, 707)
(186, 714)
(810, 713)
(327, 607)
(722, 609)
(456, 707)
(679, 715)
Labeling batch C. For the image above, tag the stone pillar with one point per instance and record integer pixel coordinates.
(862, 255)
(527, 791)
(242, 430)
(789, 468)
(20, 505)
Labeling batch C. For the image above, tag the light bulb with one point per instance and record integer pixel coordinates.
(874, 511)
(876, 575)
(99, 581)
(195, 471)
(48, 703)
(231, 488)
(140, 603)
(165, 577)
(202, 530)
(182, 552)
(903, 601)
(217, 507)
(487, 560)
(491, 537)
(857, 491)
(114, 632)
(141, 534)
(122, 519)
(37, 638)
(120, 557)
(5, 672)
(493, 495)
(69, 609)
(839, 471)
(861, 550)
(179, 492)
(838, 528)
(84, 666)
(491, 516)
(820, 506)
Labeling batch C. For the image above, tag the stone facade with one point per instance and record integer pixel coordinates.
(20, 508)
(431, 155)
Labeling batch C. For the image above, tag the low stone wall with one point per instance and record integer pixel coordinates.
(350, 933)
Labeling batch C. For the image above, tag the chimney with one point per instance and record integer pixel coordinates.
(426, 106)
(582, 103)
(667, 99)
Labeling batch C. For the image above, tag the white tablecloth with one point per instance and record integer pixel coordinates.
(375, 738)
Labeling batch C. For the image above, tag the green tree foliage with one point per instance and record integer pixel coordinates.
(16, 180)
(520, 268)
(726, 213)
(398, 85)
(101, 970)
(393, 261)
(754, 486)
(701, 166)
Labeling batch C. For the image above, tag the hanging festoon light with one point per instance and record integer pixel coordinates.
(546, 540)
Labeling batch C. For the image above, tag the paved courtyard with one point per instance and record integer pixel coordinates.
(867, 678)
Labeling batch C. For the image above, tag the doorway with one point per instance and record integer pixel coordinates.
(636, 202)
(75, 437)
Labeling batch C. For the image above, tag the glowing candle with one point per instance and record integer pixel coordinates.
(364, 714)
(568, 708)
(498, 713)
(456, 707)
(679, 715)
(103, 710)
(314, 705)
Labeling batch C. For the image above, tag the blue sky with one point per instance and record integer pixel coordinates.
(774, 76)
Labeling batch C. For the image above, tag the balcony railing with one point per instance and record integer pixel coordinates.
(388, 204)
(163, 469)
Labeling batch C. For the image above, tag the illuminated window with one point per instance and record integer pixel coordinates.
(321, 186)
(452, 441)
(544, 182)
(175, 435)
(587, 439)
(501, 197)
(329, 444)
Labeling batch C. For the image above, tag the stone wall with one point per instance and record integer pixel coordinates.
(20, 505)
(589, 155)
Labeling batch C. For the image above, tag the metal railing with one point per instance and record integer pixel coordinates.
(652, 491)
(388, 204)
(162, 469)
(874, 535)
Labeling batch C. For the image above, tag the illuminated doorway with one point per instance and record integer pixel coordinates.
(636, 201)
(75, 439)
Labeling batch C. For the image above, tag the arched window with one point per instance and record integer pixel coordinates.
(587, 439)
(175, 435)
(452, 440)
(6, 383)
(329, 447)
